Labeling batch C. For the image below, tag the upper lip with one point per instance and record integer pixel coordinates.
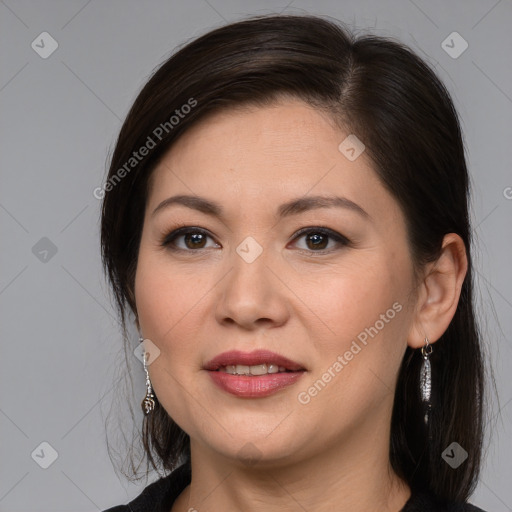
(234, 357)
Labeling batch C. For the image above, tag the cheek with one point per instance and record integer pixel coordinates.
(164, 306)
(365, 316)
(171, 315)
(161, 299)
(350, 299)
(152, 296)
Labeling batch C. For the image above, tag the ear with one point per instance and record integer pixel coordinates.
(439, 292)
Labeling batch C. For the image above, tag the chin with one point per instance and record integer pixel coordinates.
(253, 450)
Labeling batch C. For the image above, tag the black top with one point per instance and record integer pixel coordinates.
(159, 496)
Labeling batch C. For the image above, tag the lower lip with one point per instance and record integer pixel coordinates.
(257, 386)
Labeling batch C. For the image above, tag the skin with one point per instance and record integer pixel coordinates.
(332, 452)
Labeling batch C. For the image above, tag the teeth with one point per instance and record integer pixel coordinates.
(258, 369)
(242, 369)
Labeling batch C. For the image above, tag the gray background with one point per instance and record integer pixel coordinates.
(59, 119)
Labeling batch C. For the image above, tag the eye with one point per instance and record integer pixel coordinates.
(317, 239)
(193, 239)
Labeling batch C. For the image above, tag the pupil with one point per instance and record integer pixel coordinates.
(196, 239)
(316, 239)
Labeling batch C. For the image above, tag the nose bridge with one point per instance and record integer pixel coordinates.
(251, 291)
(250, 262)
(250, 250)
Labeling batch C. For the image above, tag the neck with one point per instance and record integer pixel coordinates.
(352, 476)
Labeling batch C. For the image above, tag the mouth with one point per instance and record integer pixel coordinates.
(258, 362)
(255, 374)
(254, 370)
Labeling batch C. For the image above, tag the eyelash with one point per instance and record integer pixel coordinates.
(168, 240)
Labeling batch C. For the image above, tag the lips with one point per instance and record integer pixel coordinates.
(229, 371)
(257, 357)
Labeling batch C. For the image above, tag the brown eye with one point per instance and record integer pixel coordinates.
(193, 239)
(317, 239)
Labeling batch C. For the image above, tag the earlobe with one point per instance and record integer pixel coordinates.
(439, 292)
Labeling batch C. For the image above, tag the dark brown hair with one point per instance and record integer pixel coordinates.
(386, 95)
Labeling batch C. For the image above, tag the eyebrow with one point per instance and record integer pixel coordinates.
(293, 207)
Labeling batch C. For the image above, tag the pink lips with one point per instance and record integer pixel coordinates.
(253, 386)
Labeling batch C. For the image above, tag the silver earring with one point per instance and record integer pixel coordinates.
(148, 404)
(426, 379)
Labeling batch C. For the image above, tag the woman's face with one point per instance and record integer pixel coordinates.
(335, 300)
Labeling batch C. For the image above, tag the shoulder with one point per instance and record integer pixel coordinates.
(159, 495)
(147, 499)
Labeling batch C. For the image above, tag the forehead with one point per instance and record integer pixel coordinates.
(271, 153)
(289, 135)
(283, 130)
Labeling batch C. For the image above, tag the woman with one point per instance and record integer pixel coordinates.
(286, 216)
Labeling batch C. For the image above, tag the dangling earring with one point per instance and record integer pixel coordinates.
(426, 380)
(148, 404)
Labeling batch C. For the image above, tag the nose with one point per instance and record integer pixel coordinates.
(252, 295)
